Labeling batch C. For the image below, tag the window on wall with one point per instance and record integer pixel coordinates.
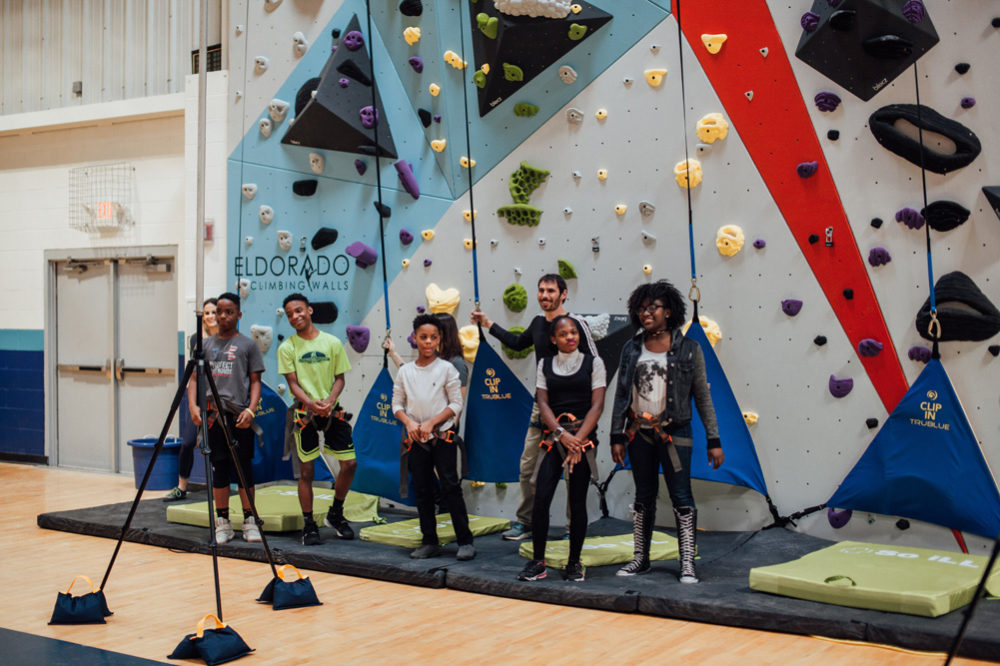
(213, 56)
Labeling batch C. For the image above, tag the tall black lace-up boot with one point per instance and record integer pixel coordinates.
(687, 521)
(642, 533)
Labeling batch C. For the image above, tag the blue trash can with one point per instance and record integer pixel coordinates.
(164, 475)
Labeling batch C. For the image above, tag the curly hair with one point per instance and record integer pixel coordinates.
(425, 319)
(662, 291)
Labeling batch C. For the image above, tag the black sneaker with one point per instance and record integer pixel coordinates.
(341, 527)
(310, 533)
(175, 495)
(575, 572)
(533, 570)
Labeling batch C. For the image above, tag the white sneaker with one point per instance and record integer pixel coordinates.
(251, 532)
(223, 530)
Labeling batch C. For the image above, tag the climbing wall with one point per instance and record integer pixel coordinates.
(609, 130)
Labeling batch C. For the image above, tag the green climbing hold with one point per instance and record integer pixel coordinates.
(512, 354)
(524, 181)
(522, 215)
(479, 78)
(512, 72)
(488, 25)
(515, 297)
(525, 110)
(566, 270)
(577, 31)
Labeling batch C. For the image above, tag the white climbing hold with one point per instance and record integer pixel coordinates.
(628, 80)
(494, 242)
(646, 209)
(248, 241)
(517, 270)
(598, 324)
(285, 239)
(577, 175)
(764, 51)
(282, 388)
(266, 214)
(249, 190)
(648, 237)
(277, 109)
(239, 29)
(260, 64)
(541, 242)
(299, 44)
(316, 162)
(262, 335)
(280, 312)
(574, 115)
(243, 286)
(654, 48)
(567, 211)
(537, 8)
(405, 263)
(749, 95)
(265, 125)
(567, 74)
(702, 148)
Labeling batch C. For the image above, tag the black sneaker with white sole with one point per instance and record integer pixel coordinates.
(339, 524)
(533, 570)
(310, 533)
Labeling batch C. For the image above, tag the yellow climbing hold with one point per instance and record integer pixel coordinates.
(620, 209)
(711, 328)
(576, 9)
(466, 162)
(712, 127)
(454, 60)
(729, 240)
(485, 69)
(406, 263)
(601, 114)
(602, 174)
(750, 417)
(647, 268)
(434, 89)
(427, 234)
(685, 169)
(713, 43)
(468, 243)
(467, 215)
(438, 145)
(469, 337)
(412, 35)
(441, 300)
(654, 77)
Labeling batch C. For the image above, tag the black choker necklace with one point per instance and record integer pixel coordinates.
(654, 334)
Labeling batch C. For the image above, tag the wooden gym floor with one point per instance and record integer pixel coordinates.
(159, 595)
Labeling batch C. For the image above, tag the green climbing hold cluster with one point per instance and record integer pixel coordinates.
(515, 297)
(576, 31)
(525, 110)
(522, 215)
(479, 78)
(524, 181)
(566, 270)
(488, 25)
(512, 72)
(512, 354)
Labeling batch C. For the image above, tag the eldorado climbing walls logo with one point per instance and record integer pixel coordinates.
(931, 409)
(492, 383)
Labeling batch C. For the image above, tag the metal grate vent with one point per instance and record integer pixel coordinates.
(101, 196)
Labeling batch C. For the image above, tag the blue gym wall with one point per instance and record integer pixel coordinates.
(22, 395)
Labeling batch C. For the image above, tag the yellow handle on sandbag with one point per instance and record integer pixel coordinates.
(219, 624)
(86, 578)
(284, 567)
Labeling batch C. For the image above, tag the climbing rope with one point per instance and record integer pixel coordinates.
(694, 293)
(468, 153)
(934, 328)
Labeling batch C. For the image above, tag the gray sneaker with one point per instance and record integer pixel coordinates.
(517, 532)
(466, 552)
(223, 530)
(425, 551)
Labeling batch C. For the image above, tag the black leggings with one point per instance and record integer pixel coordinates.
(422, 465)
(545, 489)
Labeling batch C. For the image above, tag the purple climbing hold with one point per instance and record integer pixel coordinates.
(333, 48)
(361, 167)
(759, 243)
(437, 117)
(919, 353)
(412, 340)
(343, 82)
(879, 256)
(427, 263)
(834, 3)
(869, 347)
(910, 218)
(838, 518)
(369, 117)
(364, 254)
(914, 11)
(405, 236)
(809, 21)
(407, 179)
(826, 101)
(806, 169)
(421, 309)
(840, 387)
(968, 102)
(417, 63)
(358, 337)
(354, 40)
(791, 306)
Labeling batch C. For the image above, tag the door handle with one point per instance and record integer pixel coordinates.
(120, 369)
(93, 369)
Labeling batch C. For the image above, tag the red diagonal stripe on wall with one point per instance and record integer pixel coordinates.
(776, 129)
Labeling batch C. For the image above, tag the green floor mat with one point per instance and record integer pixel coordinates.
(278, 507)
(917, 581)
(599, 551)
(406, 533)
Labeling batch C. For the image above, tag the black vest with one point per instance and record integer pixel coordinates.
(570, 393)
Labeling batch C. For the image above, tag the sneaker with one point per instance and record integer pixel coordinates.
(533, 570)
(517, 532)
(339, 524)
(175, 494)
(477, 484)
(223, 530)
(425, 551)
(634, 568)
(564, 537)
(575, 572)
(251, 531)
(310, 533)
(466, 552)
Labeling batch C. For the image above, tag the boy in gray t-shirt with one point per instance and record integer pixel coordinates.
(236, 366)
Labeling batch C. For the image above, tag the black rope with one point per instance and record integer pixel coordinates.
(468, 154)
(935, 326)
(687, 162)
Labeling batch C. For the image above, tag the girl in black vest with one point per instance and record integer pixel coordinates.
(570, 389)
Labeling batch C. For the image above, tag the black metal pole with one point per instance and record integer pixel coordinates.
(980, 590)
(206, 452)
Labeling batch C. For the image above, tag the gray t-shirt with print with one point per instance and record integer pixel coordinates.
(232, 360)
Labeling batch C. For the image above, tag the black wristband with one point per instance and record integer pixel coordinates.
(714, 443)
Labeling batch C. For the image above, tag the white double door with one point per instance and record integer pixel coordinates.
(114, 324)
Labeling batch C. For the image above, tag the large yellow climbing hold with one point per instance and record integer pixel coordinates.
(441, 300)
(711, 328)
(712, 127)
(454, 60)
(412, 35)
(713, 43)
(439, 144)
(654, 77)
(729, 239)
(688, 173)
(469, 337)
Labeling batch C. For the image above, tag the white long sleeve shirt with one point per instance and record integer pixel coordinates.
(424, 391)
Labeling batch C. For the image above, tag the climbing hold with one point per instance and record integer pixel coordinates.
(826, 101)
(305, 188)
(516, 354)
(454, 60)
(919, 353)
(249, 190)
(515, 297)
(441, 300)
(488, 25)
(809, 21)
(324, 237)
(646, 209)
(910, 218)
(813, 239)
(434, 89)
(358, 337)
(702, 148)
(577, 175)
(819, 340)
(964, 311)
(466, 162)
(992, 194)
(405, 236)
(833, 135)
(945, 215)
(749, 95)
(876, 222)
(265, 125)
(729, 240)
(244, 287)
(369, 116)
(598, 324)
(541, 242)
(425, 117)
(687, 173)
(299, 44)
(316, 162)
(517, 270)
(647, 268)
(439, 144)
(467, 242)
(648, 237)
(712, 127)
(567, 74)
(360, 166)
(869, 347)
(595, 243)
(574, 115)
(427, 234)
(994, 349)
(840, 387)
(968, 102)
(271, 5)
(364, 254)
(512, 72)
(914, 11)
(628, 80)
(427, 263)
(248, 241)
(353, 40)
(602, 174)
(467, 215)
(713, 43)
(260, 64)
(791, 306)
(995, 22)
(838, 519)
(277, 109)
(383, 210)
(417, 63)
(525, 110)
(577, 31)
(654, 77)
(565, 269)
(567, 211)
(620, 209)
(759, 243)
(848, 294)
(479, 78)
(806, 169)
(654, 48)
(575, 8)
(962, 67)
(750, 418)
(285, 239)
(411, 35)
(266, 214)
(406, 178)
(872, 423)
(494, 242)
(601, 114)
(764, 51)
(520, 214)
(411, 8)
(883, 127)
(469, 337)
(879, 256)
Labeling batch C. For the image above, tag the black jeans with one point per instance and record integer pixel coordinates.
(647, 456)
(422, 464)
(545, 489)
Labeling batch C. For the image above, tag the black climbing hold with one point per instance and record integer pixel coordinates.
(994, 349)
(305, 188)
(281, 336)
(877, 222)
(324, 312)
(962, 67)
(813, 238)
(903, 524)
(843, 20)
(383, 210)
(963, 310)
(819, 340)
(833, 135)
(425, 117)
(944, 215)
(882, 124)
(411, 8)
(992, 193)
(325, 236)
(335, 33)
(872, 423)
(849, 294)
(888, 47)
(365, 150)
(995, 22)
(352, 70)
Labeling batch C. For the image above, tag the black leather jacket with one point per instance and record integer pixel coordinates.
(686, 378)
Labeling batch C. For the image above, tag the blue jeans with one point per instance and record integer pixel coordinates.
(646, 456)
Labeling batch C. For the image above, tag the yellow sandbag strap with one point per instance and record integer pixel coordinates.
(89, 582)
(284, 567)
(219, 624)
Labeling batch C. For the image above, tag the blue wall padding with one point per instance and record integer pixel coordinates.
(22, 402)
(377, 436)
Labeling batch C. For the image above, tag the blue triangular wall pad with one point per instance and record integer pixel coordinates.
(377, 436)
(926, 464)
